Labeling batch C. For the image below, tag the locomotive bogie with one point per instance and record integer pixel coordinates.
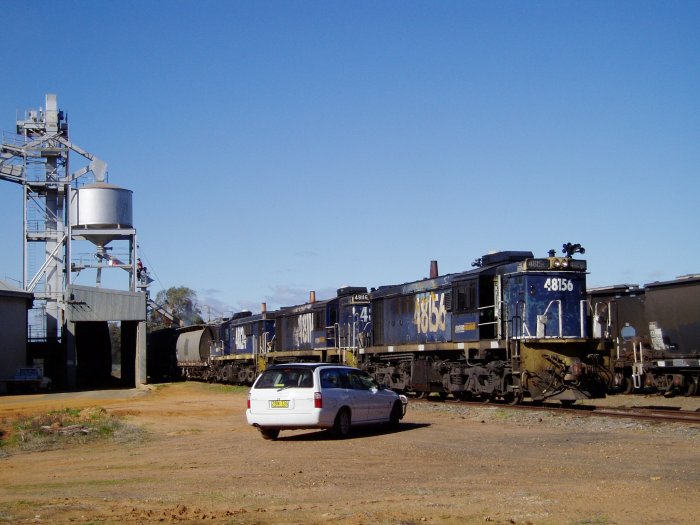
(563, 370)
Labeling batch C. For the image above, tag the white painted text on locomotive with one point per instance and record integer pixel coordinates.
(559, 284)
(363, 314)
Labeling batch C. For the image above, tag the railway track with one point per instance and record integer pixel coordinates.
(667, 414)
(650, 414)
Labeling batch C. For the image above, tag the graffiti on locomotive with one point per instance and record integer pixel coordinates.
(302, 331)
(240, 340)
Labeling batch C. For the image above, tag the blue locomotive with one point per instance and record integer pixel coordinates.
(329, 330)
(514, 326)
(320, 330)
(243, 338)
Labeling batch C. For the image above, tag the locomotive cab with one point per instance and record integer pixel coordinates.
(548, 330)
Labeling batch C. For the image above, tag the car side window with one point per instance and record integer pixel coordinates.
(330, 378)
(359, 381)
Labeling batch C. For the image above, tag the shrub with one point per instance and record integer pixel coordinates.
(59, 428)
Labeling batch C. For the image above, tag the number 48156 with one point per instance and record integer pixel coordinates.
(559, 284)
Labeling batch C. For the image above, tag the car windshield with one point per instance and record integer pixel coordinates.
(286, 378)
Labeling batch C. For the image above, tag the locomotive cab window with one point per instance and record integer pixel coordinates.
(319, 320)
(465, 297)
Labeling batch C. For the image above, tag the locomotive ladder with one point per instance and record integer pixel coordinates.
(638, 365)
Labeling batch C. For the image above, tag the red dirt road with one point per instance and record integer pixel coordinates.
(448, 464)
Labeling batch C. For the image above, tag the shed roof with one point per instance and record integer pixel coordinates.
(7, 290)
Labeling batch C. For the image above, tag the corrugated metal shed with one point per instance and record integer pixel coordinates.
(84, 303)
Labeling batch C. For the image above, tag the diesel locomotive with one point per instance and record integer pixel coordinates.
(318, 331)
(515, 326)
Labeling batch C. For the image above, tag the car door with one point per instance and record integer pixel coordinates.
(334, 391)
(380, 401)
(360, 392)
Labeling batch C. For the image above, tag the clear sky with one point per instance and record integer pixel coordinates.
(279, 147)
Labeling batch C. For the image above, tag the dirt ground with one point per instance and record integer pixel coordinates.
(447, 463)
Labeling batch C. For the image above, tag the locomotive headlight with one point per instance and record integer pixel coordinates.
(557, 263)
(565, 263)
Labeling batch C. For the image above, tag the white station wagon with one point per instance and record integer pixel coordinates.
(320, 395)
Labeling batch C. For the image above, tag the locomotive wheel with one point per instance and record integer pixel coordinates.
(690, 389)
(513, 398)
(421, 395)
(628, 387)
(511, 395)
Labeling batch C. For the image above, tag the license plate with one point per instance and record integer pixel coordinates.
(279, 403)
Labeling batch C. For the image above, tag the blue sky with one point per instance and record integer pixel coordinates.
(279, 147)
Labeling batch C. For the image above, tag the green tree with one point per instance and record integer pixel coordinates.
(181, 302)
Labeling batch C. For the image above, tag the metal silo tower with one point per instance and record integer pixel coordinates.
(59, 209)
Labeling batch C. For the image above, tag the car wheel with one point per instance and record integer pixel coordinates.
(396, 414)
(341, 426)
(270, 433)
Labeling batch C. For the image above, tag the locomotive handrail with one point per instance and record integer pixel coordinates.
(263, 343)
(515, 321)
(519, 316)
(502, 308)
(544, 315)
(271, 343)
(638, 366)
(488, 307)
(596, 315)
(582, 319)
(336, 335)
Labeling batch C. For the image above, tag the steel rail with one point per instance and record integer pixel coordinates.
(667, 414)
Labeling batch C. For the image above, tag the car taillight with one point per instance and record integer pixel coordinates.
(248, 403)
(318, 400)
